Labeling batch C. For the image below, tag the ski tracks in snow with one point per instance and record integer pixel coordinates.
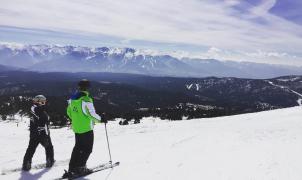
(299, 101)
(184, 140)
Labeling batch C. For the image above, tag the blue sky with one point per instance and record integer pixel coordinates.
(268, 31)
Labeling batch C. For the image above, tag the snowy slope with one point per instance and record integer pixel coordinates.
(258, 146)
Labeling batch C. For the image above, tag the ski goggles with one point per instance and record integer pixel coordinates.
(40, 102)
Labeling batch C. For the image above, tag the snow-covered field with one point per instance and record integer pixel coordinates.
(258, 146)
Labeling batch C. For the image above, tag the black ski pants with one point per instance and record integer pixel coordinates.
(37, 138)
(82, 150)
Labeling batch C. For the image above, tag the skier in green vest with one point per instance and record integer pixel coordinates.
(82, 114)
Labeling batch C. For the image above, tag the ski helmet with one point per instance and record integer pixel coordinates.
(39, 98)
(84, 84)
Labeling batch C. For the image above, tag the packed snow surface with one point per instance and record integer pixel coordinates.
(257, 146)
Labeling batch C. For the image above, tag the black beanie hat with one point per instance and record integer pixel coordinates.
(84, 84)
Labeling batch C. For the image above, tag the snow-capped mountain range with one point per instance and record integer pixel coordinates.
(55, 58)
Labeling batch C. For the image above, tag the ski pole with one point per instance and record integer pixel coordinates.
(108, 144)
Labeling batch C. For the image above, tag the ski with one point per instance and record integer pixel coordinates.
(34, 167)
(94, 169)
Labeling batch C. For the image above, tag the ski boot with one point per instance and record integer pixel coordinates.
(49, 162)
(68, 174)
(26, 166)
(83, 170)
(76, 172)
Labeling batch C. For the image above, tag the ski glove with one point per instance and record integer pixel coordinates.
(103, 120)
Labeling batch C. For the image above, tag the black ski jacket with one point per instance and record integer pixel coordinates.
(39, 120)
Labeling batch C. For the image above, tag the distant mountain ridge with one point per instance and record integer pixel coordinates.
(53, 58)
(128, 95)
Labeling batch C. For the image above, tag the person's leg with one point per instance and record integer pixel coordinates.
(87, 146)
(81, 151)
(46, 142)
(33, 143)
(80, 154)
(76, 153)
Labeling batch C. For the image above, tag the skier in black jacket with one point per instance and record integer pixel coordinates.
(39, 133)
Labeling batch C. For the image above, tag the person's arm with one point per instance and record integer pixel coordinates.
(69, 109)
(42, 116)
(42, 119)
(33, 112)
(33, 119)
(89, 110)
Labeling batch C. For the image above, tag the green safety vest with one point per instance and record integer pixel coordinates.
(81, 122)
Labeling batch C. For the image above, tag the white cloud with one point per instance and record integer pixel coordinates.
(193, 22)
(264, 7)
(271, 57)
(232, 2)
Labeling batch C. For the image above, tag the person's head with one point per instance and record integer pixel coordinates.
(84, 85)
(39, 100)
